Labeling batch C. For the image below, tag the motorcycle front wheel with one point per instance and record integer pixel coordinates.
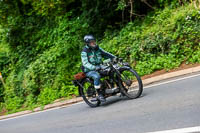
(89, 94)
(130, 83)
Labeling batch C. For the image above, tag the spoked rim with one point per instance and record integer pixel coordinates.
(131, 83)
(89, 94)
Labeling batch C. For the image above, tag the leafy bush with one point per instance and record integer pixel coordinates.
(162, 41)
(43, 78)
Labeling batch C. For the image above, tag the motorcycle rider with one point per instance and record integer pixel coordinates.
(91, 57)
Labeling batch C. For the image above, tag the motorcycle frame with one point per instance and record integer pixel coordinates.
(111, 73)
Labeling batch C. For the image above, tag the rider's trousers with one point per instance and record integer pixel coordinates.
(96, 77)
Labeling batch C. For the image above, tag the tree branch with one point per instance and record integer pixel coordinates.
(136, 14)
(145, 1)
(131, 2)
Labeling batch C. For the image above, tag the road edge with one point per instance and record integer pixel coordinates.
(79, 99)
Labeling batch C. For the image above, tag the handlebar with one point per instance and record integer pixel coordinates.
(110, 63)
(113, 61)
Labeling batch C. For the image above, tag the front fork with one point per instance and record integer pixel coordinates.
(119, 77)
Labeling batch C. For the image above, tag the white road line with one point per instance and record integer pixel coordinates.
(29, 114)
(71, 105)
(181, 130)
(40, 111)
(148, 86)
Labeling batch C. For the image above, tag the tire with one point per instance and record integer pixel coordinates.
(130, 80)
(89, 94)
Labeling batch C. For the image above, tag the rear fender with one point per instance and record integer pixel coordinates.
(80, 84)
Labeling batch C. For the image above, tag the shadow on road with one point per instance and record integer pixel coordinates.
(112, 100)
(116, 99)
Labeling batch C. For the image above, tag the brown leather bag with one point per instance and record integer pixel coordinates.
(79, 76)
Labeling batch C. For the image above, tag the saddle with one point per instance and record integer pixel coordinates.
(79, 76)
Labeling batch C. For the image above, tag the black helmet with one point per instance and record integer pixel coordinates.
(88, 38)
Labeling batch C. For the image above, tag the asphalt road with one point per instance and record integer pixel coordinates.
(162, 107)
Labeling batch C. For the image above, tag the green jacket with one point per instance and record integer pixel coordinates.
(91, 58)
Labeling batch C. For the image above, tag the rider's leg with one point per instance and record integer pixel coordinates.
(96, 77)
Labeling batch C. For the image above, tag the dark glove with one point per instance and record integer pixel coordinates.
(120, 59)
(97, 68)
(116, 59)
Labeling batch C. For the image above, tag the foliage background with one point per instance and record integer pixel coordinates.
(40, 42)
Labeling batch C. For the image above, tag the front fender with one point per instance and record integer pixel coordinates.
(124, 68)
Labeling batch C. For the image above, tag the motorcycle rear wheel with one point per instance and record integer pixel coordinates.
(89, 94)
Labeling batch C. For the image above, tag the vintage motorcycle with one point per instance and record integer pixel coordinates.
(117, 77)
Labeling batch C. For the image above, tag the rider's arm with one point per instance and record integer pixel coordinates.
(85, 62)
(106, 55)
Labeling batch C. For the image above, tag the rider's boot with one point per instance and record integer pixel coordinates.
(100, 95)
